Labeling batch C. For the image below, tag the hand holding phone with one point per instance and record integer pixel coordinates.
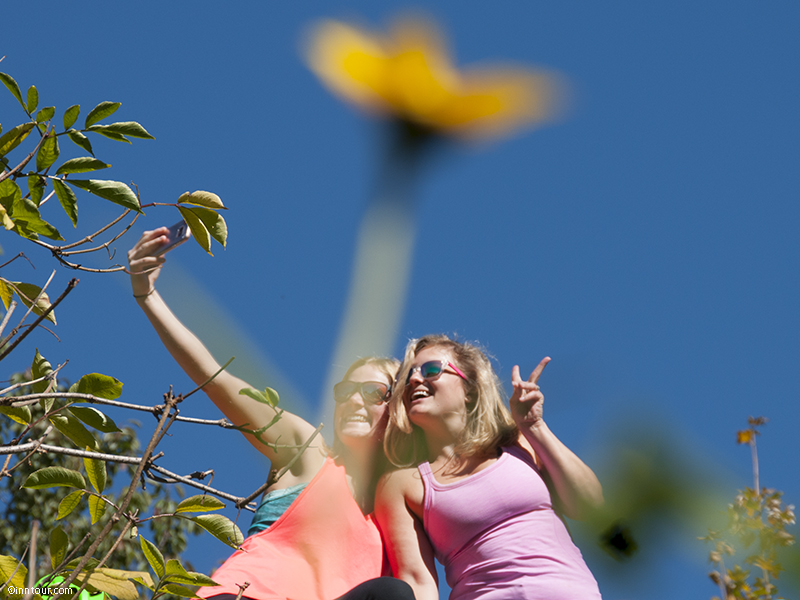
(176, 235)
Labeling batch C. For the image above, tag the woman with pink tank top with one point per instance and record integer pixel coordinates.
(482, 489)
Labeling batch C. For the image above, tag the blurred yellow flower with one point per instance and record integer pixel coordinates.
(409, 74)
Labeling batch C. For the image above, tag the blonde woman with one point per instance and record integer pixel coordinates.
(483, 487)
(313, 537)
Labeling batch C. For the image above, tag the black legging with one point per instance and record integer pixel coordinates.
(381, 588)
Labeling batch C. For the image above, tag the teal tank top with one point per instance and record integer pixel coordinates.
(273, 506)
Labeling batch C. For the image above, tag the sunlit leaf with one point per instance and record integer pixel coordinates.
(59, 543)
(44, 115)
(68, 200)
(96, 472)
(97, 507)
(114, 191)
(215, 224)
(199, 504)
(27, 293)
(48, 151)
(179, 590)
(221, 528)
(100, 112)
(201, 198)
(112, 135)
(54, 477)
(199, 231)
(268, 396)
(33, 99)
(19, 414)
(71, 115)
(94, 418)
(153, 556)
(12, 86)
(74, 430)
(118, 583)
(69, 503)
(5, 293)
(97, 384)
(36, 185)
(83, 164)
(81, 140)
(128, 128)
(14, 137)
(10, 565)
(40, 367)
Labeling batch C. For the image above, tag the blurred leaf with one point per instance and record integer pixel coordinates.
(153, 556)
(214, 223)
(268, 396)
(221, 528)
(74, 430)
(96, 472)
(100, 112)
(69, 503)
(97, 384)
(5, 293)
(114, 191)
(71, 115)
(68, 200)
(12, 86)
(48, 151)
(36, 187)
(97, 507)
(8, 565)
(94, 418)
(14, 137)
(59, 543)
(179, 590)
(177, 574)
(199, 504)
(81, 140)
(117, 583)
(83, 164)
(45, 114)
(201, 198)
(744, 437)
(198, 228)
(20, 414)
(129, 128)
(27, 293)
(54, 477)
(33, 99)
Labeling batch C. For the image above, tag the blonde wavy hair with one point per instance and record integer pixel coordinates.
(489, 422)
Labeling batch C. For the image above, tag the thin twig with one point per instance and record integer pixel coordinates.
(9, 312)
(109, 242)
(210, 379)
(33, 302)
(46, 198)
(20, 255)
(19, 564)
(90, 238)
(31, 382)
(242, 588)
(200, 486)
(70, 286)
(25, 161)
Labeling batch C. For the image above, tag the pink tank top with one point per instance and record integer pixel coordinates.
(320, 548)
(498, 537)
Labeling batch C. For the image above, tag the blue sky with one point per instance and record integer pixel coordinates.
(647, 242)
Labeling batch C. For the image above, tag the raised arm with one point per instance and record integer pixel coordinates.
(576, 485)
(198, 363)
(398, 508)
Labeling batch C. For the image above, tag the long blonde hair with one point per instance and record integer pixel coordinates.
(488, 425)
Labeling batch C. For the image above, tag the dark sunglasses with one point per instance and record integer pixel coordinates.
(433, 369)
(373, 392)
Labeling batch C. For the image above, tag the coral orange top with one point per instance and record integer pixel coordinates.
(321, 547)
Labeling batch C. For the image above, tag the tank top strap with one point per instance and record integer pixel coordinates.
(428, 486)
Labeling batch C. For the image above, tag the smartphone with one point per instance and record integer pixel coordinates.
(176, 235)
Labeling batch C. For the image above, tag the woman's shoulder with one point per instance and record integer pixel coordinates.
(403, 481)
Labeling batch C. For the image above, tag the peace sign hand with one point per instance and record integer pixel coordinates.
(527, 401)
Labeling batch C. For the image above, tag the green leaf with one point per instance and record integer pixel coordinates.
(97, 507)
(69, 503)
(100, 112)
(97, 384)
(40, 367)
(81, 140)
(54, 477)
(114, 191)
(83, 164)
(59, 543)
(36, 185)
(33, 99)
(199, 231)
(221, 528)
(112, 135)
(201, 198)
(199, 504)
(14, 137)
(268, 396)
(9, 565)
(153, 556)
(118, 583)
(179, 590)
(48, 151)
(46, 114)
(6, 293)
(12, 86)
(74, 430)
(177, 574)
(129, 128)
(96, 472)
(214, 223)
(94, 418)
(19, 414)
(27, 293)
(71, 115)
(68, 200)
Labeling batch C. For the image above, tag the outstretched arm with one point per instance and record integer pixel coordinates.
(398, 508)
(576, 485)
(198, 363)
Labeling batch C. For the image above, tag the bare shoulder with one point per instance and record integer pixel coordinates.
(401, 485)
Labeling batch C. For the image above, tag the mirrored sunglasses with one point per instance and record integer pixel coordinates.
(433, 369)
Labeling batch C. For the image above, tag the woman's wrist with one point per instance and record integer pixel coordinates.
(142, 296)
